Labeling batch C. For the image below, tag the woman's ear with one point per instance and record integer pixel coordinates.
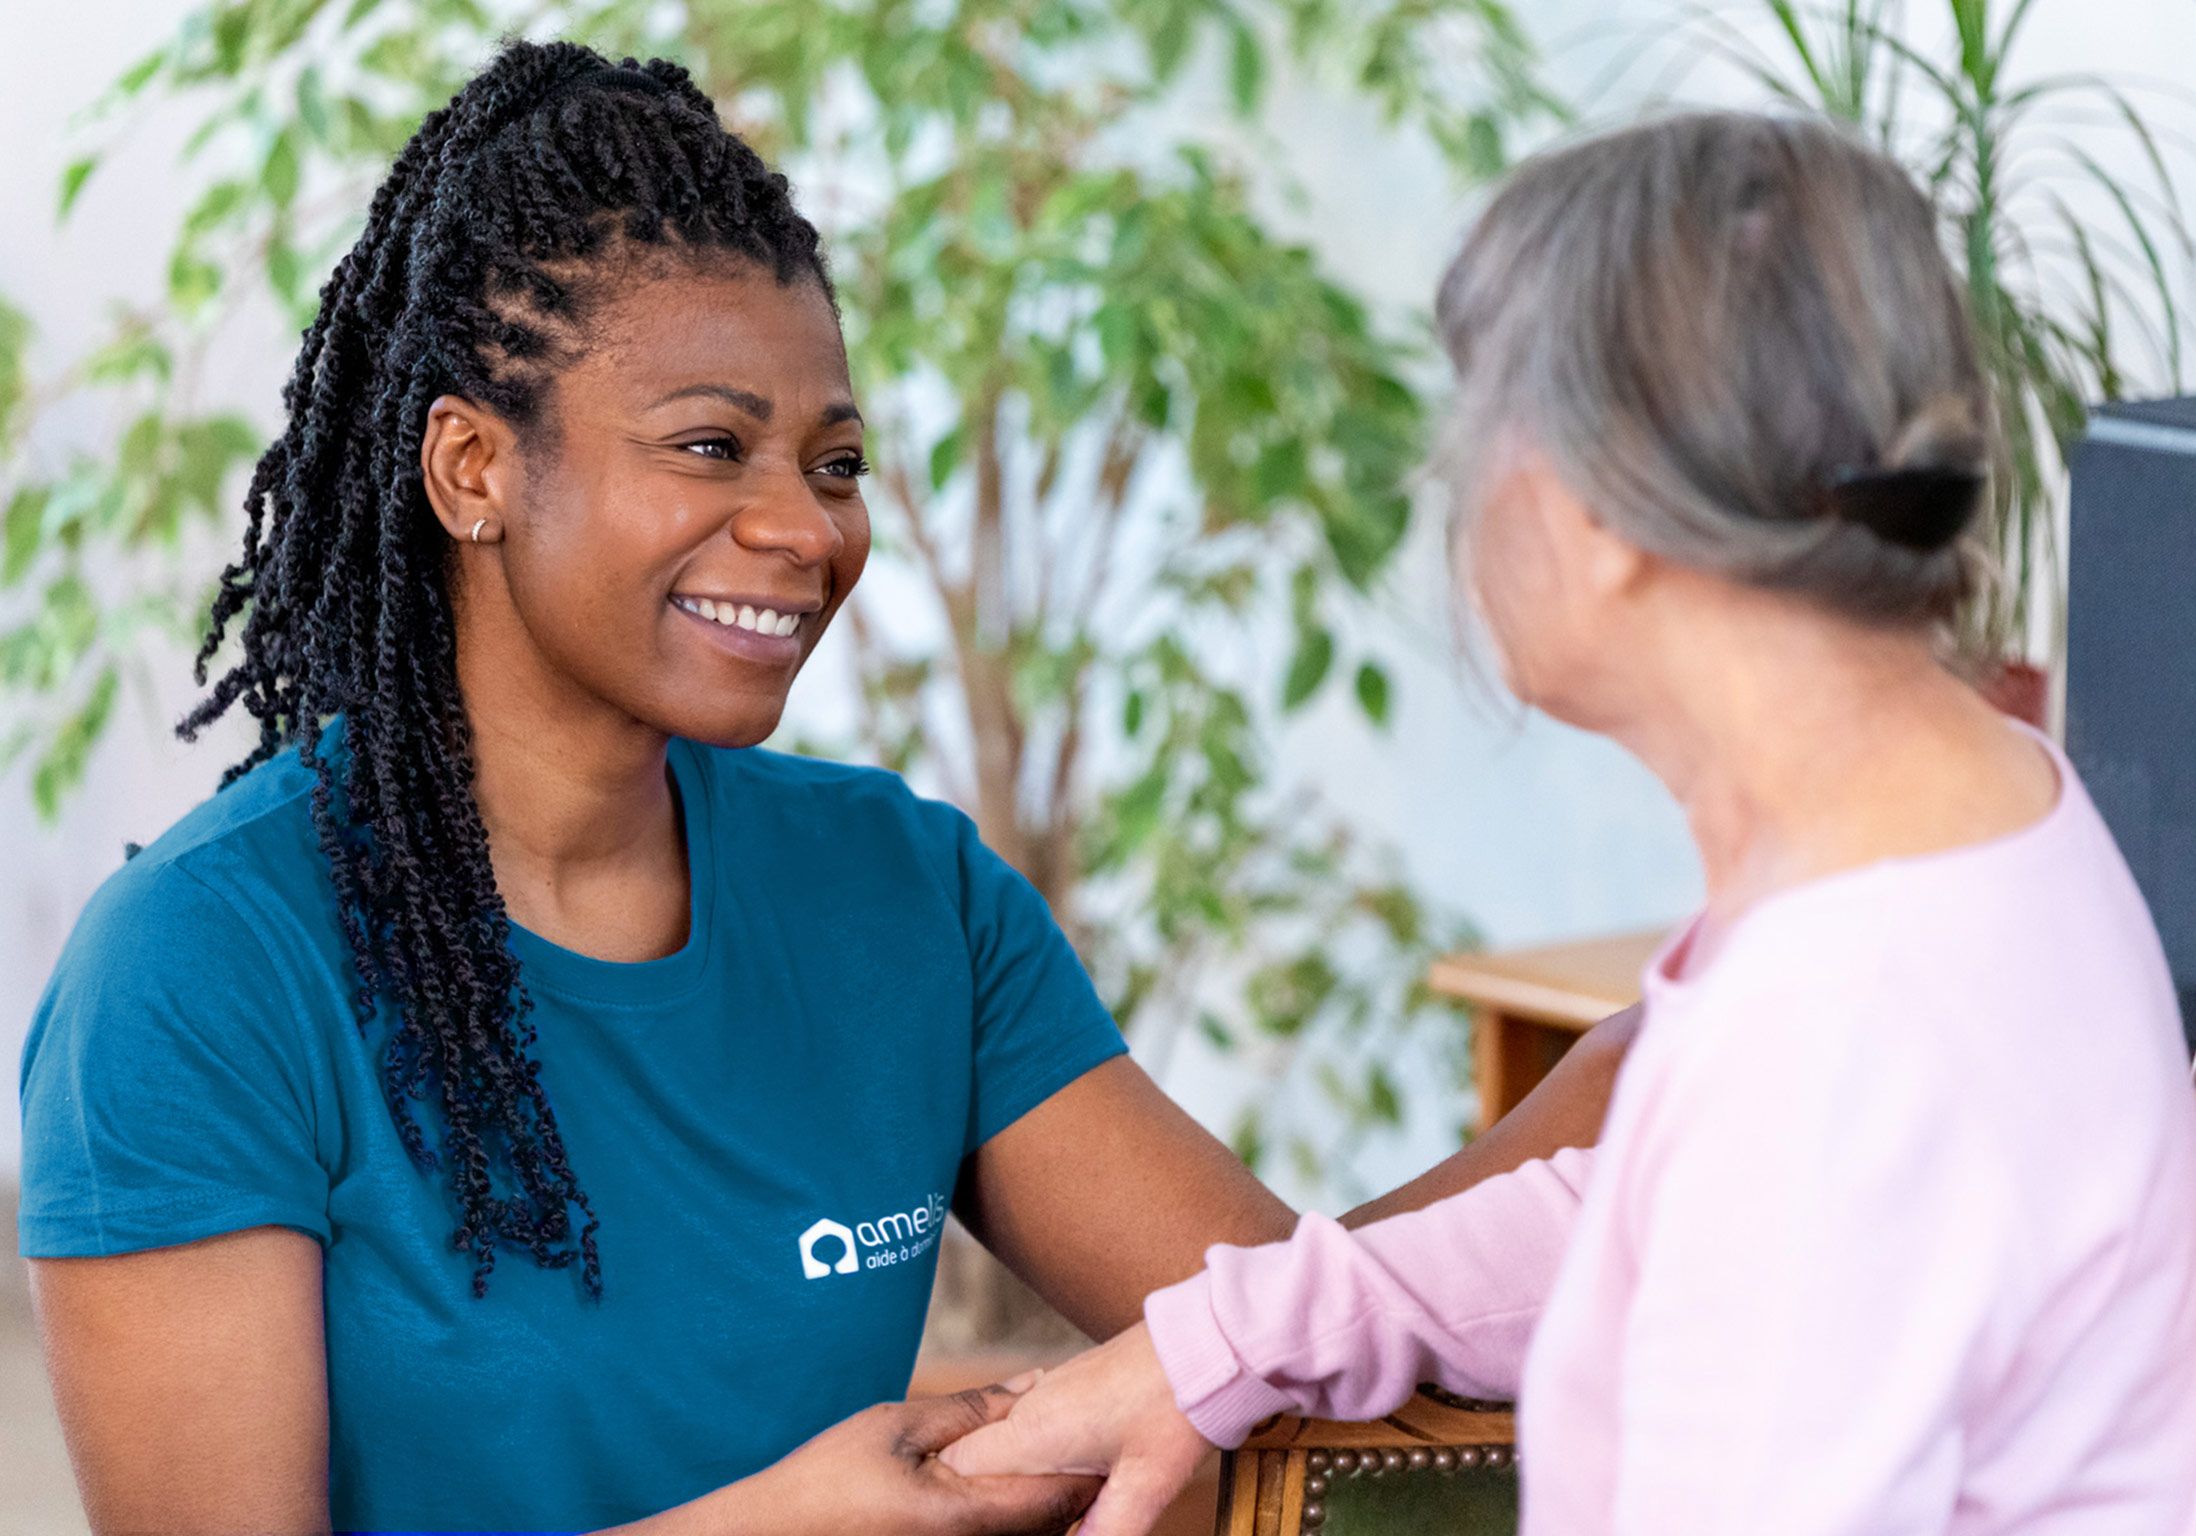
(467, 460)
(1606, 564)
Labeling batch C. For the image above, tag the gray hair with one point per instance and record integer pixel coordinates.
(1737, 339)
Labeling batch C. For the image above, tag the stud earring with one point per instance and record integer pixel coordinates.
(476, 529)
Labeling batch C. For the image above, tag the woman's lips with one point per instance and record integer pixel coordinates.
(748, 644)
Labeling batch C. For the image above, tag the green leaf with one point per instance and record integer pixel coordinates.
(72, 182)
(136, 352)
(215, 206)
(398, 55)
(1382, 1098)
(207, 450)
(24, 529)
(192, 281)
(232, 35)
(138, 75)
(1249, 1139)
(1170, 41)
(945, 458)
(1246, 68)
(1484, 157)
(1137, 811)
(1281, 470)
(312, 105)
(278, 175)
(1308, 667)
(1303, 594)
(61, 767)
(1304, 1158)
(15, 338)
(1372, 693)
(285, 270)
(1399, 912)
(140, 445)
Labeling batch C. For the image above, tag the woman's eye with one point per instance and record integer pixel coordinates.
(851, 467)
(730, 447)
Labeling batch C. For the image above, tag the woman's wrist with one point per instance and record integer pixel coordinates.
(1212, 1386)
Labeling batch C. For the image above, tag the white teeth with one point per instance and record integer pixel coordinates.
(762, 621)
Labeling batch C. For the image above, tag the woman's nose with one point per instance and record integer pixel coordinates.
(789, 520)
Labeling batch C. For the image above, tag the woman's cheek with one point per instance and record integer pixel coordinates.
(1499, 569)
(853, 556)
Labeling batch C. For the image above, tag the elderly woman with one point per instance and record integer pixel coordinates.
(1835, 1270)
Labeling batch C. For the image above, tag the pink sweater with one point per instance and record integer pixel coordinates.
(1892, 1230)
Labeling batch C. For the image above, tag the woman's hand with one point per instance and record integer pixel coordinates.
(1108, 1412)
(879, 1471)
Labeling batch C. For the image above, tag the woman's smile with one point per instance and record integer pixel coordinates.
(768, 630)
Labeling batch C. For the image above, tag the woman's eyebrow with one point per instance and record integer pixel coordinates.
(755, 405)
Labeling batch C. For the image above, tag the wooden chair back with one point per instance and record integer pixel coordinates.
(1440, 1463)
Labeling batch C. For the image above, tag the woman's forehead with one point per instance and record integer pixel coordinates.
(742, 330)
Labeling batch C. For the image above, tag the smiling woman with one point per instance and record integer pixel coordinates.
(702, 471)
(508, 942)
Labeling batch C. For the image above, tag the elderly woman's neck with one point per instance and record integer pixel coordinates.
(1801, 744)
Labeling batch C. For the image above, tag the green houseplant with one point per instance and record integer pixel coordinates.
(1141, 459)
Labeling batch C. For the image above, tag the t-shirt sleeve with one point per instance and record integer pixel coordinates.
(165, 1093)
(1039, 1023)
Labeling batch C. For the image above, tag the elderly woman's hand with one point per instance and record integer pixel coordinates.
(879, 1471)
(1109, 1412)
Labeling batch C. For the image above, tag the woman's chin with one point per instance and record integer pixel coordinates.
(746, 721)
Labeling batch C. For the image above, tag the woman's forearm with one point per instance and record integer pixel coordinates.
(1566, 1110)
(1345, 1324)
(726, 1511)
(1109, 1190)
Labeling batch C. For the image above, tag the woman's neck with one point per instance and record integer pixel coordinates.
(583, 825)
(1801, 745)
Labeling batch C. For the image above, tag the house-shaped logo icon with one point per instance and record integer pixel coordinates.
(815, 1268)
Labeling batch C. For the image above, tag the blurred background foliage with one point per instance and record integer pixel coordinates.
(1142, 461)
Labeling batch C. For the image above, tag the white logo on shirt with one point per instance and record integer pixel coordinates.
(814, 1267)
(894, 1239)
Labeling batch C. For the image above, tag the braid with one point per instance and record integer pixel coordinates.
(485, 250)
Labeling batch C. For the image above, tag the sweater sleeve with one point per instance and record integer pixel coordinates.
(1344, 1325)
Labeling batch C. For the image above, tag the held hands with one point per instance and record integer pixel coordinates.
(878, 1471)
(1109, 1413)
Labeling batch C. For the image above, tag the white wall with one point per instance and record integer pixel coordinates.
(1533, 830)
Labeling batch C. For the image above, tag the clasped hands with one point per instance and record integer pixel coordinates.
(1108, 1413)
(1099, 1437)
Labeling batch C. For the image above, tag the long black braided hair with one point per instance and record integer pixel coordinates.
(494, 238)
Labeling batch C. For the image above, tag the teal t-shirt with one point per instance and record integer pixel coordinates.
(769, 1124)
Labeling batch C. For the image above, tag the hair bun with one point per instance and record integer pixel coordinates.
(1922, 507)
(1930, 484)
